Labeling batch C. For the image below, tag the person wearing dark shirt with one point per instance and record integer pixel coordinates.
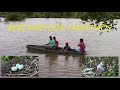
(66, 47)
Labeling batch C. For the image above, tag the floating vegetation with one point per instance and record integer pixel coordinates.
(101, 67)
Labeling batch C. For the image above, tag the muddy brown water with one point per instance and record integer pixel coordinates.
(52, 65)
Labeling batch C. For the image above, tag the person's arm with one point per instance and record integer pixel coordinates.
(63, 49)
(78, 44)
(48, 43)
(69, 48)
(84, 46)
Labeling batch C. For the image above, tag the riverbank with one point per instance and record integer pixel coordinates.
(18, 16)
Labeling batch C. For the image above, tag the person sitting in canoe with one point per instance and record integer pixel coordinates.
(66, 47)
(81, 46)
(51, 44)
(56, 42)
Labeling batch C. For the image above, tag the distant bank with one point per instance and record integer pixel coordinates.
(99, 16)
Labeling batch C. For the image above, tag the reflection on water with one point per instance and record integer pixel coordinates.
(53, 65)
(52, 58)
(60, 66)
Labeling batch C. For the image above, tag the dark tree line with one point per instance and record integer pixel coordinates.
(106, 18)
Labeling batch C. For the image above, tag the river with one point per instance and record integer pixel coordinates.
(52, 65)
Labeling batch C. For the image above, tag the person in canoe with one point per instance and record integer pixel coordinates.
(66, 47)
(56, 43)
(51, 44)
(81, 46)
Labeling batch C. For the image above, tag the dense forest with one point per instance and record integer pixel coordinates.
(105, 17)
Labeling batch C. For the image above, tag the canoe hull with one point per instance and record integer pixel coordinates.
(43, 49)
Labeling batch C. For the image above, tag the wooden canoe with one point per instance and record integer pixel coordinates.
(39, 48)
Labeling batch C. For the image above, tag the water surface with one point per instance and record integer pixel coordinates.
(53, 65)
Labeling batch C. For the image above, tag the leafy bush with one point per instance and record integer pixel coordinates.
(15, 16)
(7, 58)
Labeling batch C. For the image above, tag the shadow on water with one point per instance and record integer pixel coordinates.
(54, 65)
(54, 56)
(51, 57)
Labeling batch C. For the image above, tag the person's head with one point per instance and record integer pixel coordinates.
(81, 40)
(50, 37)
(66, 44)
(54, 38)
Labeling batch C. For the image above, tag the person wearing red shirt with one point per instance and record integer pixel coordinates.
(56, 42)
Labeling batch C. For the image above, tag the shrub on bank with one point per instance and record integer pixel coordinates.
(15, 16)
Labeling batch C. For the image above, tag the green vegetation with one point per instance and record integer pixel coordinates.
(11, 66)
(7, 58)
(110, 65)
(15, 16)
(106, 17)
(83, 15)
